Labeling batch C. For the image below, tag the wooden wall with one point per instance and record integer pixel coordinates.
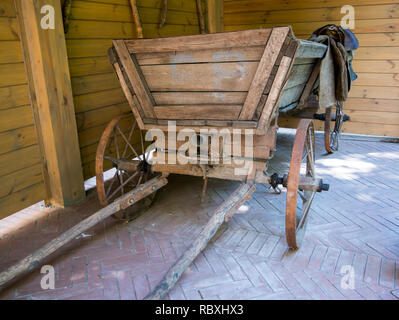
(21, 179)
(97, 93)
(374, 99)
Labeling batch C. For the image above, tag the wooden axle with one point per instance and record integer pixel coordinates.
(125, 164)
(35, 259)
(305, 183)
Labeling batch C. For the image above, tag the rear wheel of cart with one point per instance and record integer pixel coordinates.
(299, 201)
(121, 148)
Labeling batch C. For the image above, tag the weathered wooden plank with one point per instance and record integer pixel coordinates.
(8, 28)
(83, 10)
(20, 179)
(22, 199)
(7, 9)
(310, 84)
(265, 5)
(93, 118)
(19, 159)
(229, 76)
(250, 53)
(291, 95)
(131, 98)
(299, 74)
(263, 72)
(85, 29)
(89, 66)
(17, 138)
(94, 83)
(136, 78)
(89, 29)
(373, 66)
(95, 100)
(12, 74)
(11, 52)
(275, 92)
(14, 96)
(377, 53)
(186, 98)
(374, 92)
(371, 128)
(210, 41)
(239, 54)
(83, 48)
(362, 26)
(378, 79)
(16, 117)
(373, 116)
(93, 135)
(379, 105)
(209, 112)
(363, 12)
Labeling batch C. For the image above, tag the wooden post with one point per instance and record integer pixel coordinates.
(46, 62)
(215, 16)
(201, 20)
(222, 213)
(136, 19)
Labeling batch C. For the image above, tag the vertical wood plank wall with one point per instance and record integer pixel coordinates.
(97, 93)
(374, 99)
(21, 179)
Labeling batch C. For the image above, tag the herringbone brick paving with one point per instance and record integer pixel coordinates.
(356, 223)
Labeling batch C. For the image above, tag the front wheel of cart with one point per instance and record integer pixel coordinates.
(302, 165)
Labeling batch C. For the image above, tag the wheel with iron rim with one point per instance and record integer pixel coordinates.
(298, 201)
(118, 150)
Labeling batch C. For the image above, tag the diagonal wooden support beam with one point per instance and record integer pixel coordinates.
(123, 202)
(222, 213)
(266, 64)
(131, 67)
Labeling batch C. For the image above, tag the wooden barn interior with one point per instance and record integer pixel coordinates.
(58, 89)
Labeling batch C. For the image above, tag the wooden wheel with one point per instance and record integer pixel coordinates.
(119, 149)
(302, 165)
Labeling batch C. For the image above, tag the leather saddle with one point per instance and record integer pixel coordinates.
(339, 34)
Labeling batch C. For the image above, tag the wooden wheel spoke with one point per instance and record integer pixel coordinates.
(116, 145)
(140, 179)
(127, 142)
(305, 211)
(129, 138)
(302, 196)
(122, 185)
(142, 146)
(111, 184)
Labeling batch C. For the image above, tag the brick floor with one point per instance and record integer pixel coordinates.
(355, 224)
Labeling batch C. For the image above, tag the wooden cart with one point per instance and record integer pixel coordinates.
(236, 81)
(226, 82)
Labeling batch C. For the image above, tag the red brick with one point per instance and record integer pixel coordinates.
(79, 267)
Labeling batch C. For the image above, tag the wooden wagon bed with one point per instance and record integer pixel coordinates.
(234, 79)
